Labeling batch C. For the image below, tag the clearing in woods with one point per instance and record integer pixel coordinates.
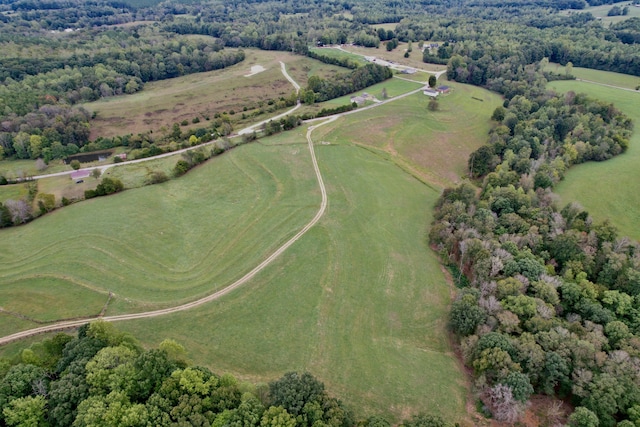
(590, 184)
(433, 145)
(202, 95)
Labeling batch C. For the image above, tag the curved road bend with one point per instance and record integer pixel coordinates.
(76, 323)
(60, 326)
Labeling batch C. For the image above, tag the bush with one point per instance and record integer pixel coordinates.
(181, 167)
(75, 164)
(106, 187)
(157, 177)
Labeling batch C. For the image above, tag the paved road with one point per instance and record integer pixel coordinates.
(65, 325)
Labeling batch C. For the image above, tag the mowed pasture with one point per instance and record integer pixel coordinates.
(433, 145)
(397, 55)
(202, 95)
(360, 301)
(601, 12)
(601, 77)
(609, 189)
(165, 244)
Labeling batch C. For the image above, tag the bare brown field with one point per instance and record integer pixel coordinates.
(202, 95)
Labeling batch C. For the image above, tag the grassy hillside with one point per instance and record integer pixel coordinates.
(434, 145)
(161, 244)
(360, 301)
(601, 77)
(608, 189)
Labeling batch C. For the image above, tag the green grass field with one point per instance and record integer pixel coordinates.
(335, 53)
(361, 291)
(602, 11)
(397, 56)
(609, 189)
(13, 192)
(394, 87)
(170, 242)
(359, 301)
(432, 145)
(603, 77)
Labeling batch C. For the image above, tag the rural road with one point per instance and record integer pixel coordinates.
(323, 205)
(246, 130)
(64, 325)
(391, 65)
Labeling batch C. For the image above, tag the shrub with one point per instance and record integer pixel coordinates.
(157, 177)
(75, 164)
(181, 167)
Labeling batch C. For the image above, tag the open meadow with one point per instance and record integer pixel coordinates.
(361, 290)
(609, 189)
(601, 12)
(397, 55)
(432, 145)
(601, 77)
(163, 244)
(203, 95)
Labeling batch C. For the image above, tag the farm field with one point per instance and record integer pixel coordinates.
(602, 11)
(432, 145)
(155, 246)
(603, 77)
(202, 95)
(336, 53)
(397, 55)
(361, 291)
(609, 189)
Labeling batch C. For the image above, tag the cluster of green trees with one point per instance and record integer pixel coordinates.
(103, 377)
(339, 85)
(483, 45)
(552, 300)
(106, 187)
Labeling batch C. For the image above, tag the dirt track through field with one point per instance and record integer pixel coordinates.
(65, 325)
(76, 323)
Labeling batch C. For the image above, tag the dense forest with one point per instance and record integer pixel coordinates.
(103, 377)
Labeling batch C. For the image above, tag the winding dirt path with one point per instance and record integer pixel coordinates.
(76, 323)
(71, 324)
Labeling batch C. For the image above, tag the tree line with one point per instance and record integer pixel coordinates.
(103, 377)
(550, 301)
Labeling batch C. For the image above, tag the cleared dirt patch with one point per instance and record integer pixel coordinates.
(255, 70)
